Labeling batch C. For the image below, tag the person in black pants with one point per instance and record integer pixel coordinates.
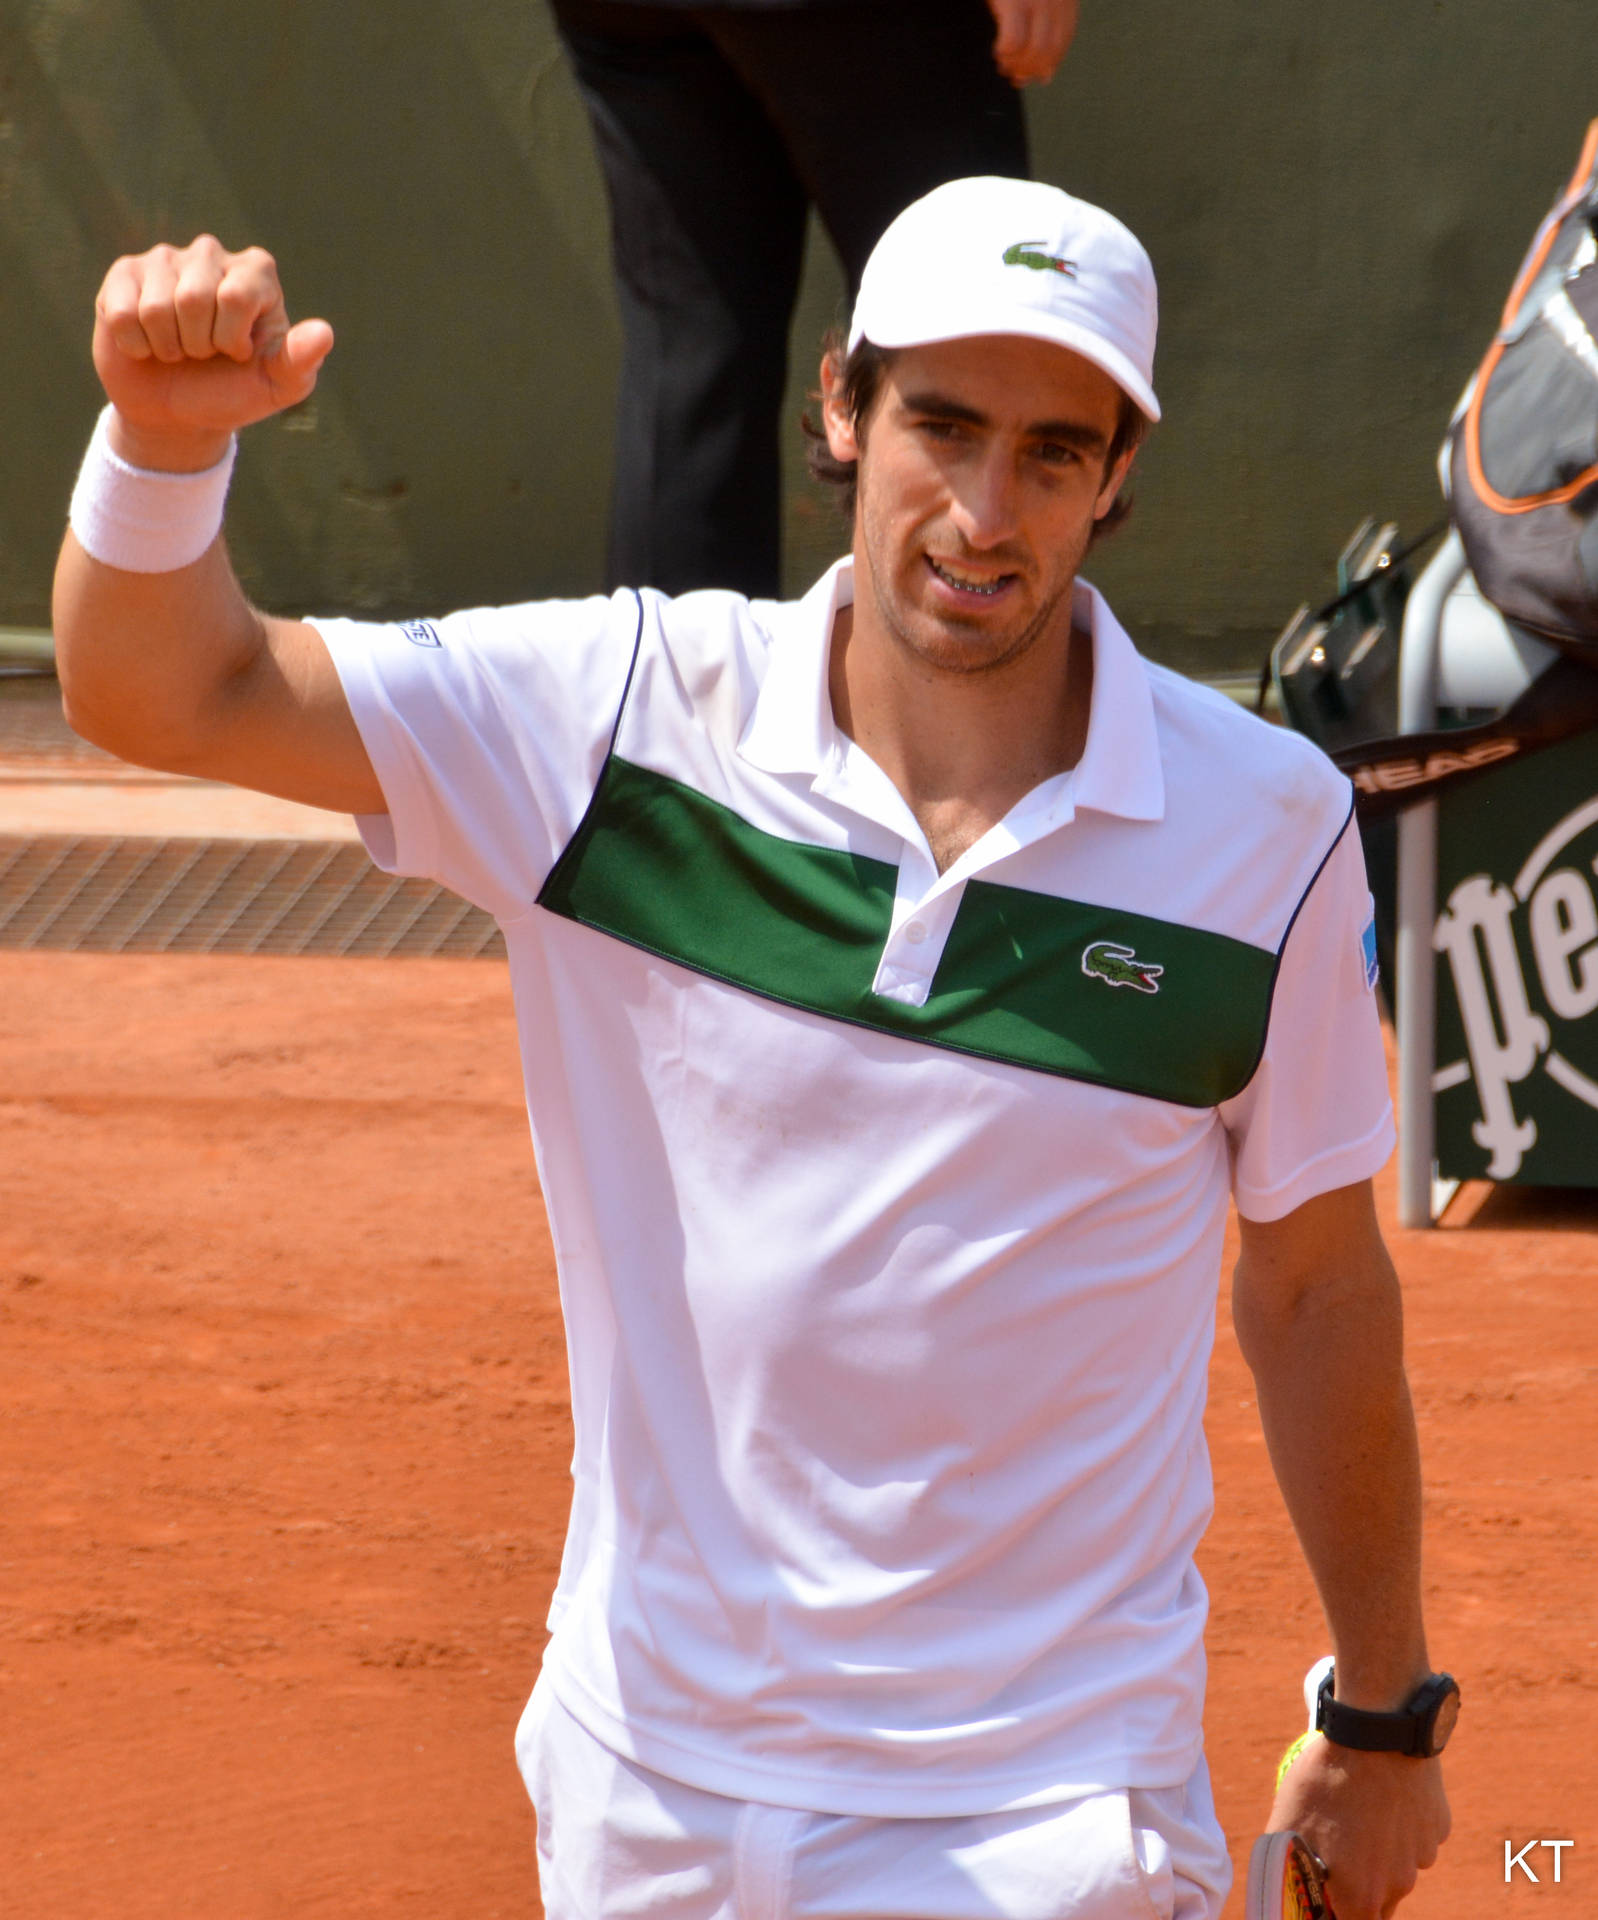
(717, 126)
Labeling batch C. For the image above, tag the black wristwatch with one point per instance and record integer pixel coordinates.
(1420, 1727)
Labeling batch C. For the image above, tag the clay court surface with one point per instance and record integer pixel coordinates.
(283, 1471)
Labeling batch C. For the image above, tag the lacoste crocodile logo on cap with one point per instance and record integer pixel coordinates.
(1119, 966)
(1029, 253)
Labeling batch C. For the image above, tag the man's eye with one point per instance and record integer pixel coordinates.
(941, 429)
(1055, 453)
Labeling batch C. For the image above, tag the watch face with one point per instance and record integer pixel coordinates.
(1447, 1714)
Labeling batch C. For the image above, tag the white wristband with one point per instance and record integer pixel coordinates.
(146, 522)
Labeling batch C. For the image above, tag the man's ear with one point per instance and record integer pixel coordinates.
(1114, 480)
(843, 443)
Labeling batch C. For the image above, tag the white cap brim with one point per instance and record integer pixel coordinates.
(1082, 340)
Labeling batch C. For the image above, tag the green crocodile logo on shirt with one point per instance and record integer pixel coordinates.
(1120, 967)
(1029, 253)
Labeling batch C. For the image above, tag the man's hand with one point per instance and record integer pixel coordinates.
(1033, 38)
(1376, 1819)
(193, 343)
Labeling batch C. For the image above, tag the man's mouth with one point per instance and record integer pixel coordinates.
(963, 582)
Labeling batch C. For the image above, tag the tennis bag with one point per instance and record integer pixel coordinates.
(1520, 469)
(1520, 465)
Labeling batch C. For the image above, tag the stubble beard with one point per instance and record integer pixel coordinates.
(952, 656)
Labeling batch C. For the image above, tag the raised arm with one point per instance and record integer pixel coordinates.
(1318, 1315)
(167, 664)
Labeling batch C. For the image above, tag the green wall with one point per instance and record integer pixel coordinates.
(1335, 200)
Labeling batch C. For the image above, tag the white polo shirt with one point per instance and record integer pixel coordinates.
(887, 1204)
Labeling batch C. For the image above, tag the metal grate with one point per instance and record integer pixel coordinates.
(104, 895)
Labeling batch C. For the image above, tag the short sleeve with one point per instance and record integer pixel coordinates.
(1317, 1114)
(487, 731)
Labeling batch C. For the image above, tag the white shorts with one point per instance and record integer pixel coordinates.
(615, 1840)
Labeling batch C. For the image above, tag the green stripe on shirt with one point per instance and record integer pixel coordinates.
(667, 869)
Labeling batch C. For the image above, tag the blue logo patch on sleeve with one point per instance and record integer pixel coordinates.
(420, 633)
(1367, 949)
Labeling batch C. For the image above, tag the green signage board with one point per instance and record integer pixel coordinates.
(1515, 1081)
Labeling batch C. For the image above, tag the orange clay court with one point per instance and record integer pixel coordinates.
(283, 1476)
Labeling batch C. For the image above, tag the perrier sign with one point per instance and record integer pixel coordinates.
(1516, 1077)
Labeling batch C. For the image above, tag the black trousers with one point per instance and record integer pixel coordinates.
(717, 127)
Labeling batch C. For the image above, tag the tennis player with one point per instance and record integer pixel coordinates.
(908, 978)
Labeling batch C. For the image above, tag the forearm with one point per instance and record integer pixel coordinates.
(1327, 1360)
(1318, 1315)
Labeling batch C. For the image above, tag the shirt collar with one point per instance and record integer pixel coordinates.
(792, 729)
(1120, 770)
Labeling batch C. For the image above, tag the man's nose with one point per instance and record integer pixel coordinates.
(986, 500)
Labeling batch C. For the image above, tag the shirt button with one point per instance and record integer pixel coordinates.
(915, 932)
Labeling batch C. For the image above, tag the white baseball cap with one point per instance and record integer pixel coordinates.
(1014, 256)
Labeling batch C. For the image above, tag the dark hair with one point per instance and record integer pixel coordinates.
(860, 381)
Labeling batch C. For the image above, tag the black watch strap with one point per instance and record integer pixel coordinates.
(1420, 1728)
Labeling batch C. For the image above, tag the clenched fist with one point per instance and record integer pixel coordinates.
(192, 343)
